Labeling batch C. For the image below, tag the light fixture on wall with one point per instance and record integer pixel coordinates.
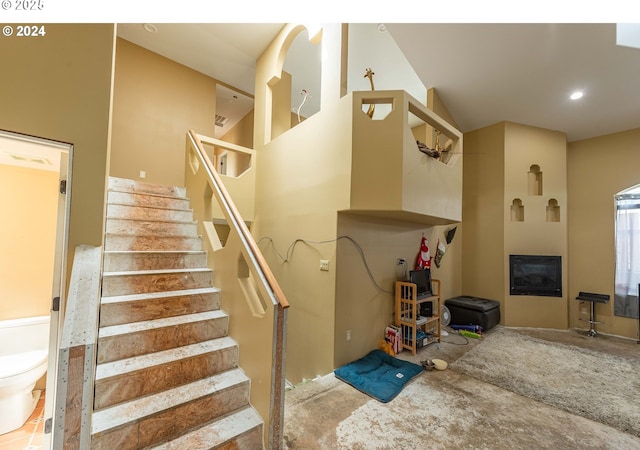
(305, 95)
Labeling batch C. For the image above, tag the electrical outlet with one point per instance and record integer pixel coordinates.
(324, 265)
(348, 335)
(143, 174)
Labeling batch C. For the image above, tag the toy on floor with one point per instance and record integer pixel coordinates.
(470, 334)
(428, 364)
(439, 364)
(473, 328)
(387, 347)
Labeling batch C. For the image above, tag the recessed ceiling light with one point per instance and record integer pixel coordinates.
(382, 27)
(576, 95)
(151, 28)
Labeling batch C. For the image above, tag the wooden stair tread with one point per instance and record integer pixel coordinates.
(123, 260)
(153, 207)
(123, 367)
(156, 271)
(155, 221)
(148, 194)
(142, 252)
(157, 295)
(216, 433)
(142, 235)
(155, 190)
(134, 327)
(137, 409)
(110, 214)
(125, 185)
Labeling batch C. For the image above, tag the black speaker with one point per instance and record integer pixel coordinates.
(426, 309)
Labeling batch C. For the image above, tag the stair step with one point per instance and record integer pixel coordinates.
(117, 261)
(147, 281)
(148, 200)
(242, 429)
(151, 227)
(167, 372)
(137, 338)
(125, 379)
(127, 185)
(114, 242)
(120, 309)
(147, 213)
(155, 418)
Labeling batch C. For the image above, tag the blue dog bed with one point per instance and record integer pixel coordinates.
(378, 375)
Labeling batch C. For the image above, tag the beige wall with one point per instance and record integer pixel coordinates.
(304, 187)
(526, 146)
(302, 181)
(281, 116)
(435, 103)
(497, 161)
(242, 132)
(365, 309)
(27, 240)
(59, 87)
(483, 273)
(598, 168)
(156, 101)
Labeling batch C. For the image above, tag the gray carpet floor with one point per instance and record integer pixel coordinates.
(449, 410)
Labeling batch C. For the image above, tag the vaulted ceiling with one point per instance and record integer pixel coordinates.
(485, 73)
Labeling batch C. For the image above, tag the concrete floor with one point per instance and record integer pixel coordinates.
(448, 410)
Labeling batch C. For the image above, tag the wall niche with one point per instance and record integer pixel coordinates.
(553, 211)
(535, 180)
(517, 210)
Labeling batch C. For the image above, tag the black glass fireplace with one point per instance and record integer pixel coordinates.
(539, 275)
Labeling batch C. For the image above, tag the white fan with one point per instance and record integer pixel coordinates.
(445, 316)
(445, 319)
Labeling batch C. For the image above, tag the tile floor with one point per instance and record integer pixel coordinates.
(29, 437)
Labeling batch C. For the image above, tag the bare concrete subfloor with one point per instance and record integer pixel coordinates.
(448, 410)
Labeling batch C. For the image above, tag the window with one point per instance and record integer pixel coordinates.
(627, 252)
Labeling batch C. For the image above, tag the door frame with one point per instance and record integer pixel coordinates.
(59, 288)
(59, 283)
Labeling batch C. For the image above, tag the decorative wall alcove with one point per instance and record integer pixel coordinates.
(534, 180)
(553, 211)
(517, 210)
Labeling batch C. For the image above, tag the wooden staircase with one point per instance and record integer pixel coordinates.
(167, 373)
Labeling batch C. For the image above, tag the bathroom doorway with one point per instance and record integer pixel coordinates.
(38, 172)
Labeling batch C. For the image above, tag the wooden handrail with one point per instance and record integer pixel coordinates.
(226, 145)
(234, 217)
(267, 283)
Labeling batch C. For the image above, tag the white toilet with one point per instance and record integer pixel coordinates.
(24, 345)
